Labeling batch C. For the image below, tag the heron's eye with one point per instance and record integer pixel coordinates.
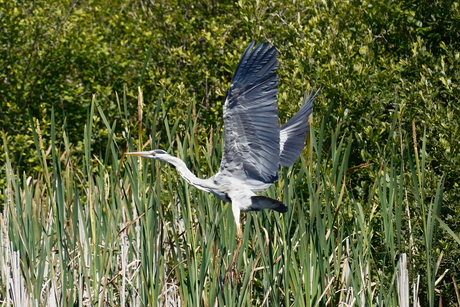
(159, 151)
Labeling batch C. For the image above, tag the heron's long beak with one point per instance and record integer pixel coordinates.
(144, 154)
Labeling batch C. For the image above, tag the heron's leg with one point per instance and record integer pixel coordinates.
(232, 271)
(239, 233)
(239, 242)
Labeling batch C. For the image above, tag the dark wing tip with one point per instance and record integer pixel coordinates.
(256, 63)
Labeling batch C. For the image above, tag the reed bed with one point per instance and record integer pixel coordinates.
(104, 229)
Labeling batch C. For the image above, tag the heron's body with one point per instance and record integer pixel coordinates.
(255, 146)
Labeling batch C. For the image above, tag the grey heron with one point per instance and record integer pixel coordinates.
(255, 146)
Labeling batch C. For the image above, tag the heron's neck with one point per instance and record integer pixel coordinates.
(202, 184)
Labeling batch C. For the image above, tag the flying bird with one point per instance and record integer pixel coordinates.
(255, 146)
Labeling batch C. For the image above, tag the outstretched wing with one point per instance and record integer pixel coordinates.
(251, 131)
(294, 133)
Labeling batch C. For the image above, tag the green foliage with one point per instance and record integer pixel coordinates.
(389, 73)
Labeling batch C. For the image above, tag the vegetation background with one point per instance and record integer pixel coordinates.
(389, 72)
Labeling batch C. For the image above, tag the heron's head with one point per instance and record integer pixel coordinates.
(156, 154)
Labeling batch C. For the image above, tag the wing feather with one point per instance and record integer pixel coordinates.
(294, 132)
(251, 130)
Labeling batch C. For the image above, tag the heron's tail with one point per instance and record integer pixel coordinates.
(263, 202)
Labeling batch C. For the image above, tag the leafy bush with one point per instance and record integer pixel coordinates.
(383, 67)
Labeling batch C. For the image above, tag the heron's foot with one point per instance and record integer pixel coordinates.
(232, 275)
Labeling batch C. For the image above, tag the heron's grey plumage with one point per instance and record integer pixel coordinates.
(254, 145)
(251, 130)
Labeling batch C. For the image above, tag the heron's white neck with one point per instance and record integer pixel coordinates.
(202, 184)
